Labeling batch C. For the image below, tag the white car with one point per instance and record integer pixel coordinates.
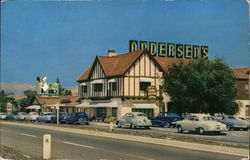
(20, 116)
(32, 116)
(200, 123)
(3, 115)
(46, 117)
(134, 120)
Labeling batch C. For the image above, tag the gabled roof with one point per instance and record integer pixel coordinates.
(114, 65)
(242, 73)
(67, 101)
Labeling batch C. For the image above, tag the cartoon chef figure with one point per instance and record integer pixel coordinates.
(43, 84)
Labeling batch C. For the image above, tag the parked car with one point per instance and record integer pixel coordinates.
(3, 115)
(10, 117)
(77, 118)
(166, 119)
(62, 117)
(200, 123)
(134, 120)
(232, 122)
(46, 117)
(32, 116)
(20, 116)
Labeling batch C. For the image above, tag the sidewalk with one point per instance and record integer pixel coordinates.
(143, 139)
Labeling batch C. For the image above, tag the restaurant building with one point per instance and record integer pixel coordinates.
(243, 95)
(116, 84)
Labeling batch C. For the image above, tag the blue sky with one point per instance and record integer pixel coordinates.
(62, 38)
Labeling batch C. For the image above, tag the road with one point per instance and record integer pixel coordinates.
(228, 137)
(82, 147)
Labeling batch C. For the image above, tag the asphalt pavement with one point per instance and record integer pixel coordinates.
(73, 145)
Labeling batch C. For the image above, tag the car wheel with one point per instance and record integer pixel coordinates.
(201, 131)
(132, 126)
(167, 125)
(229, 128)
(179, 128)
(118, 124)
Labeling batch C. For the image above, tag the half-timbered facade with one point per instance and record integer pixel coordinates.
(116, 84)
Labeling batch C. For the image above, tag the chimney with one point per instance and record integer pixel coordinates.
(111, 53)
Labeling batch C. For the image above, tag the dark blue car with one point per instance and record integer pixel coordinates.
(166, 119)
(77, 118)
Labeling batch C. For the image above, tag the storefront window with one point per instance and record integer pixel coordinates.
(101, 113)
(114, 112)
(247, 110)
(148, 112)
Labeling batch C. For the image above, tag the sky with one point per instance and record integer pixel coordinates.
(62, 38)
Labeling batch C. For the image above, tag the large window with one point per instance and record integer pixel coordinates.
(101, 113)
(144, 85)
(114, 86)
(98, 87)
(148, 112)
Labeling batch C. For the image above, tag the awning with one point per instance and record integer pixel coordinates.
(145, 79)
(98, 104)
(112, 80)
(97, 81)
(144, 105)
(83, 84)
(33, 107)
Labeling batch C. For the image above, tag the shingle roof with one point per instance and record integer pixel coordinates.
(242, 73)
(165, 63)
(67, 101)
(119, 64)
(115, 65)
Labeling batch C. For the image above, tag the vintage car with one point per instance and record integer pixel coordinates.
(77, 118)
(166, 119)
(134, 120)
(46, 117)
(32, 116)
(20, 116)
(3, 115)
(232, 122)
(200, 123)
(62, 117)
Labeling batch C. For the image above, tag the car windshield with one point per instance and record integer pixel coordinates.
(23, 113)
(173, 115)
(231, 117)
(208, 118)
(80, 114)
(141, 115)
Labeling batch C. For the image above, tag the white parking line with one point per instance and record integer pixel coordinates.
(29, 135)
(80, 145)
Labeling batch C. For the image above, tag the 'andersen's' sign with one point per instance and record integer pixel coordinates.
(170, 49)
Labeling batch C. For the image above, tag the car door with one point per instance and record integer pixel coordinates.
(188, 123)
(128, 119)
(195, 123)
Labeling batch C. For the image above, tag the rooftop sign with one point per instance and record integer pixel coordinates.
(170, 49)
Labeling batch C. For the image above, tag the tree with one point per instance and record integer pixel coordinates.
(201, 86)
(4, 99)
(25, 102)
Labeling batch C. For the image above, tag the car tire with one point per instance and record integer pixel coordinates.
(201, 131)
(132, 126)
(179, 129)
(229, 128)
(118, 124)
(167, 125)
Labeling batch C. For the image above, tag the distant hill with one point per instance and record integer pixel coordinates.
(18, 88)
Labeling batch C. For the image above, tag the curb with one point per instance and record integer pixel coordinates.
(142, 139)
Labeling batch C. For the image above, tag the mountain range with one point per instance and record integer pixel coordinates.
(18, 88)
